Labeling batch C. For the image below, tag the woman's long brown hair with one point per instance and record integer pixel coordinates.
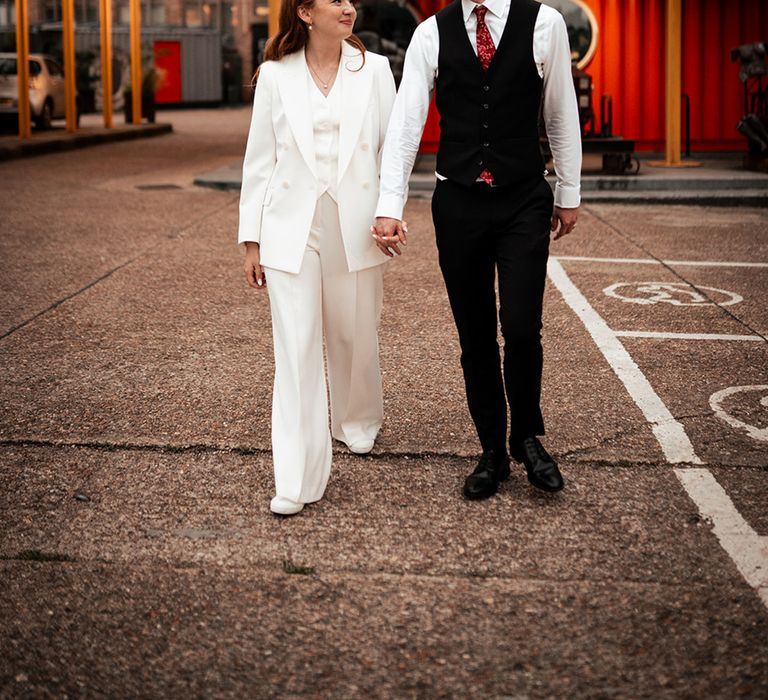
(292, 35)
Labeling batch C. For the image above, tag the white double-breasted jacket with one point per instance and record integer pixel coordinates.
(280, 186)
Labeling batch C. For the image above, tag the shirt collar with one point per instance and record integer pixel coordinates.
(495, 7)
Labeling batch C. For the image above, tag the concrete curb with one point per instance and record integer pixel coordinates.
(52, 142)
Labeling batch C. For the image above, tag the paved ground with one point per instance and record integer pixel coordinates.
(134, 455)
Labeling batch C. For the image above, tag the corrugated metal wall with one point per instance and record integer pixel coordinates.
(629, 65)
(200, 56)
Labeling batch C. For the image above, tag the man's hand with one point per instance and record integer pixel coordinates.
(563, 221)
(254, 272)
(388, 233)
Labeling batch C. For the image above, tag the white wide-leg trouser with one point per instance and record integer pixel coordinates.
(324, 298)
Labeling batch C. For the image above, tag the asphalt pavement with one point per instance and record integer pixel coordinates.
(138, 556)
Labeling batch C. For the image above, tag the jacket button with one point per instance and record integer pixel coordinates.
(286, 184)
(363, 146)
(366, 185)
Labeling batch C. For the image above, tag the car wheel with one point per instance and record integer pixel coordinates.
(46, 115)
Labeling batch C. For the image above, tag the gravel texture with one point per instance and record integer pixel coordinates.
(138, 557)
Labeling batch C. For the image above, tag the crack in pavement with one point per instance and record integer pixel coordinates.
(203, 448)
(677, 274)
(176, 234)
(265, 567)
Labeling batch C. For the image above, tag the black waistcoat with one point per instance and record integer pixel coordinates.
(489, 119)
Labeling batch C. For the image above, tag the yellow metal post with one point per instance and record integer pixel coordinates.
(673, 45)
(22, 68)
(136, 60)
(68, 44)
(105, 17)
(274, 17)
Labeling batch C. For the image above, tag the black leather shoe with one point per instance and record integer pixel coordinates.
(492, 468)
(541, 468)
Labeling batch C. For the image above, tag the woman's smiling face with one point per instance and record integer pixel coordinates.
(330, 18)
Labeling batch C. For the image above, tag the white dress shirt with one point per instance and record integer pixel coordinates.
(552, 55)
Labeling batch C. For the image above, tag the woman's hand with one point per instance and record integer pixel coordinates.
(388, 233)
(254, 272)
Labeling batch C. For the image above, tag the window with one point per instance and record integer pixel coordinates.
(152, 12)
(7, 13)
(8, 67)
(582, 29)
(199, 14)
(53, 67)
(86, 11)
(52, 11)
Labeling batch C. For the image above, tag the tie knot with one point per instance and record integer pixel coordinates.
(480, 11)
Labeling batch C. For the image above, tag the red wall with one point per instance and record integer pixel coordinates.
(629, 65)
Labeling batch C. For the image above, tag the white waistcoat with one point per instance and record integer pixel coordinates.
(326, 118)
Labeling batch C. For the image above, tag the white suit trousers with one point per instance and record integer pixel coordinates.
(324, 298)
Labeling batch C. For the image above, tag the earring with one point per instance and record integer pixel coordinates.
(309, 26)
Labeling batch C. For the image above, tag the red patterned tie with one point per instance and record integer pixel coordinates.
(485, 50)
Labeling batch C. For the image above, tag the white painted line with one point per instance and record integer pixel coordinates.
(687, 336)
(712, 263)
(744, 546)
(669, 432)
(653, 261)
(716, 401)
(747, 549)
(628, 261)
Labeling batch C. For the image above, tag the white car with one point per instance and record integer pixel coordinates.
(46, 88)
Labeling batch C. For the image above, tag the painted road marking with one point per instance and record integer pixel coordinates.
(654, 261)
(688, 336)
(716, 403)
(747, 549)
(674, 441)
(674, 293)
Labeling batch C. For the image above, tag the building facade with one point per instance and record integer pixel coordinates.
(619, 43)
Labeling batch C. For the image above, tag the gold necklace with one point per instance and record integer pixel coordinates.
(324, 83)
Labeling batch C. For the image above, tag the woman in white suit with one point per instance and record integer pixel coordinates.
(310, 186)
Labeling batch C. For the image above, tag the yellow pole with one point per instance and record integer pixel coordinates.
(673, 45)
(68, 44)
(274, 17)
(136, 59)
(22, 68)
(674, 37)
(106, 60)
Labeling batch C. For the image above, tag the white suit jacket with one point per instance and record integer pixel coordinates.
(280, 188)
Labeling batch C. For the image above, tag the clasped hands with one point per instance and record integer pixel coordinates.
(389, 235)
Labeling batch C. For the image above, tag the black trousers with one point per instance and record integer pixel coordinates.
(483, 232)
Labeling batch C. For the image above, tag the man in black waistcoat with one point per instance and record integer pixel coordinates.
(493, 65)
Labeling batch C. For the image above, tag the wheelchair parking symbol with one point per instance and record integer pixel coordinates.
(673, 293)
(750, 399)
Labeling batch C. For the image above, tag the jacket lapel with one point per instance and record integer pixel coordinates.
(296, 103)
(355, 86)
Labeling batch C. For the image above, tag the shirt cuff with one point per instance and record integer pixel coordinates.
(390, 206)
(567, 197)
